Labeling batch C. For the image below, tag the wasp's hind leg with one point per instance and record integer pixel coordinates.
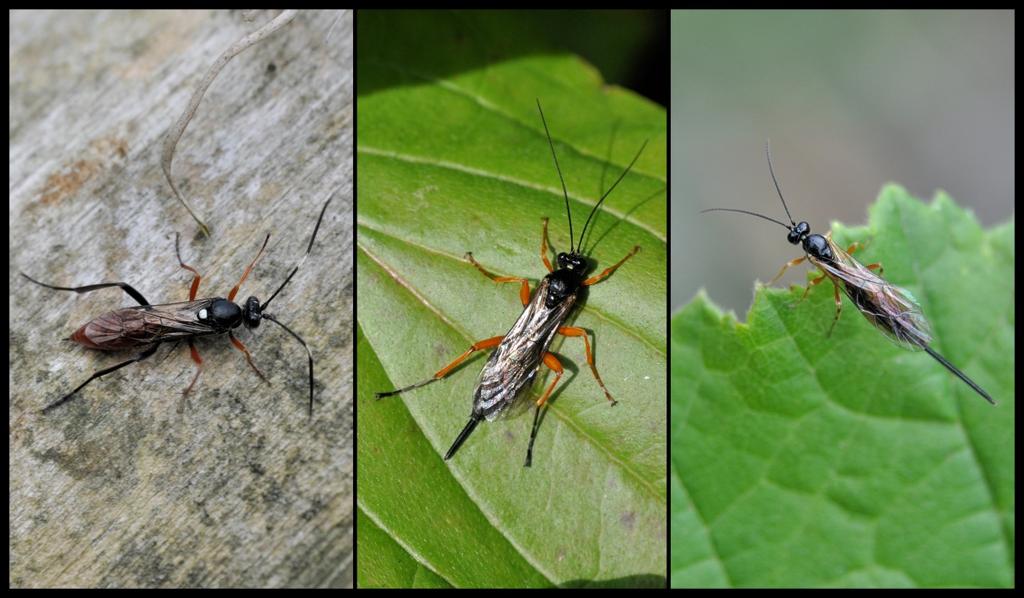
(480, 346)
(148, 352)
(580, 332)
(524, 288)
(137, 296)
(552, 362)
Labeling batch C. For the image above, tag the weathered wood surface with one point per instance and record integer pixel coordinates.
(119, 488)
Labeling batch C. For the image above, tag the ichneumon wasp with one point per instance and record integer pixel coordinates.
(891, 309)
(518, 354)
(149, 326)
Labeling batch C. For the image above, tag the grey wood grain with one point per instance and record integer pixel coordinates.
(119, 487)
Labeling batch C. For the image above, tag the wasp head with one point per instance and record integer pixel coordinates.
(574, 262)
(251, 314)
(567, 278)
(798, 233)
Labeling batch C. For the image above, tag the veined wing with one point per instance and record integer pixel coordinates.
(512, 367)
(145, 324)
(892, 309)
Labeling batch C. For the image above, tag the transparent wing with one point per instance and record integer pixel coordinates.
(512, 368)
(145, 324)
(892, 309)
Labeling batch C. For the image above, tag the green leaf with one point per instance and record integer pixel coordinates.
(455, 159)
(408, 503)
(801, 460)
(386, 563)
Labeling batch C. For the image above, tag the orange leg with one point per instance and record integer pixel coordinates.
(480, 346)
(524, 289)
(788, 265)
(556, 366)
(857, 245)
(544, 247)
(238, 345)
(574, 331)
(813, 283)
(192, 291)
(608, 271)
(839, 309)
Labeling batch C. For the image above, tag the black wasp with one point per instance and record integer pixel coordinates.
(149, 326)
(891, 309)
(510, 371)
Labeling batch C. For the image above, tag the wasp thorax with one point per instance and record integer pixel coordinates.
(817, 246)
(251, 314)
(222, 314)
(561, 283)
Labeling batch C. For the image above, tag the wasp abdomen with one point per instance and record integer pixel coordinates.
(111, 332)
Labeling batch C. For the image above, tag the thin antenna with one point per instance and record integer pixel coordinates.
(606, 193)
(308, 249)
(782, 224)
(771, 170)
(308, 352)
(565, 192)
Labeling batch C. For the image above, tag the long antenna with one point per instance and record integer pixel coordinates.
(606, 193)
(782, 224)
(308, 352)
(308, 249)
(768, 152)
(565, 192)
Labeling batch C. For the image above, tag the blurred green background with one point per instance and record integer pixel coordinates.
(850, 101)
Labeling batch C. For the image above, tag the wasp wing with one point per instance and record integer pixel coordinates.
(512, 367)
(891, 309)
(145, 324)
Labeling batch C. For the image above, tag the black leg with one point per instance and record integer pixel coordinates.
(533, 434)
(94, 287)
(100, 374)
